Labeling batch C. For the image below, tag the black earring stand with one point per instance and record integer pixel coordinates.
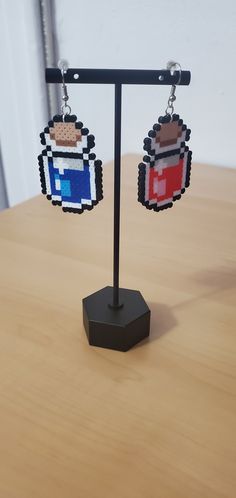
(117, 318)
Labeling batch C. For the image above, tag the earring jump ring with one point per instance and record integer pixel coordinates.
(173, 65)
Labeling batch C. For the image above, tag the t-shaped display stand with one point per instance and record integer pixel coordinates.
(117, 318)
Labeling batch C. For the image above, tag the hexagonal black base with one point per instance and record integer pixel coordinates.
(120, 328)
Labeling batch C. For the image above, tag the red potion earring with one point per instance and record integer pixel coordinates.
(165, 171)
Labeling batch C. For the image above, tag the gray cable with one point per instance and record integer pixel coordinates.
(51, 56)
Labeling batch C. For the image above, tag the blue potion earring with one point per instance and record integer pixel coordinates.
(70, 175)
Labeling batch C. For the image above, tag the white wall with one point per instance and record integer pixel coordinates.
(23, 97)
(201, 35)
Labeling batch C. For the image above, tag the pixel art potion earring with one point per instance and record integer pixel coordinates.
(165, 171)
(70, 175)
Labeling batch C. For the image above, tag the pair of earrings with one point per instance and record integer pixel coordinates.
(71, 176)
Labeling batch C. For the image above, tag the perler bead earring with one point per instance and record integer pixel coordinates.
(165, 171)
(71, 177)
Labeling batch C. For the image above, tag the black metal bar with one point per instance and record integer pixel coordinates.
(116, 249)
(122, 76)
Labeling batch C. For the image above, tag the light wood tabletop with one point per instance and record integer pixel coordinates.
(158, 421)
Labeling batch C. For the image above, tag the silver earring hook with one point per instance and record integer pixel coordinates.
(65, 108)
(171, 66)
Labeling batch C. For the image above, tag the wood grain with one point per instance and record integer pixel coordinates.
(156, 422)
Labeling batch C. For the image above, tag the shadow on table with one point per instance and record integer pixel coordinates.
(162, 321)
(215, 279)
(219, 278)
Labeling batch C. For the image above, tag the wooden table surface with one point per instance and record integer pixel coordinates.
(156, 422)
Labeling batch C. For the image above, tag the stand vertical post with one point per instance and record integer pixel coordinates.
(116, 318)
(117, 167)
